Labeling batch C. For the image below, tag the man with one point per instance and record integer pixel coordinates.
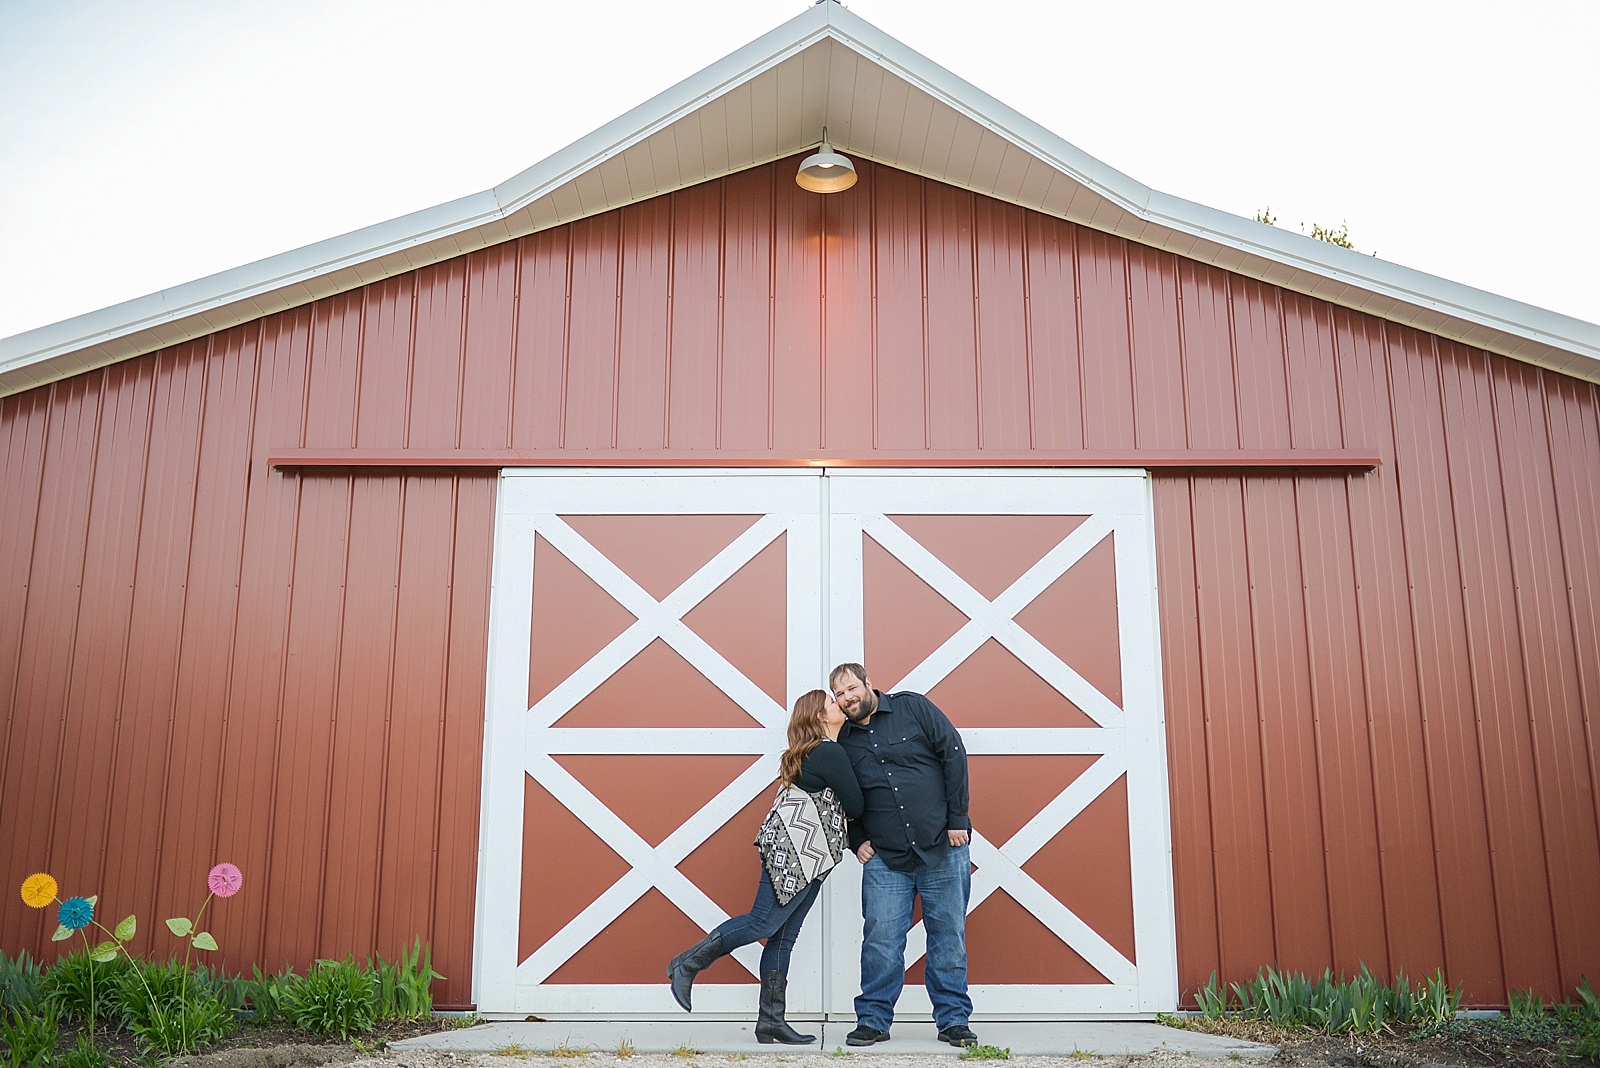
(912, 842)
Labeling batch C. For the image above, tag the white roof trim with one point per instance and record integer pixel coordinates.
(620, 164)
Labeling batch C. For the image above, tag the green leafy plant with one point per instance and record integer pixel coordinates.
(267, 994)
(30, 1037)
(172, 1009)
(985, 1053)
(1582, 1019)
(79, 987)
(404, 987)
(19, 982)
(1525, 1003)
(1363, 1004)
(1212, 998)
(83, 1054)
(334, 997)
(1437, 1001)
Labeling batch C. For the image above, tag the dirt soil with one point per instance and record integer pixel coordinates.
(1468, 1045)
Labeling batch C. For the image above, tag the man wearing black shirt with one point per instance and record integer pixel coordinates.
(912, 842)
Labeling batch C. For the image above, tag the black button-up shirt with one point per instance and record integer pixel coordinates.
(912, 767)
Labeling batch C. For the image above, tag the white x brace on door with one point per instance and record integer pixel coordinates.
(1122, 741)
(598, 855)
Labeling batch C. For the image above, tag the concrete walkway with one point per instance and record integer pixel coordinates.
(709, 1036)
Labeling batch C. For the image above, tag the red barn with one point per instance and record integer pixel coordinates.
(452, 577)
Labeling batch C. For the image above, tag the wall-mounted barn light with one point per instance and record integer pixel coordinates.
(826, 171)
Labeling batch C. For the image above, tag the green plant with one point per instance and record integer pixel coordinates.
(1437, 1001)
(404, 987)
(83, 1054)
(267, 994)
(1582, 1018)
(686, 1051)
(171, 1008)
(1524, 1003)
(985, 1053)
(30, 1037)
(1588, 1000)
(80, 988)
(1363, 1004)
(567, 1049)
(510, 1049)
(334, 997)
(1212, 998)
(19, 982)
(624, 1049)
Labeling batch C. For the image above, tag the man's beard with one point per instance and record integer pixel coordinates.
(864, 710)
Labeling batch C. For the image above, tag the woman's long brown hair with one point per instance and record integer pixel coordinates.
(805, 734)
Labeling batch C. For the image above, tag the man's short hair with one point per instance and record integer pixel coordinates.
(846, 669)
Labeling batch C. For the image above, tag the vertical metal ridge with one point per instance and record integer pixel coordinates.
(1564, 521)
(58, 770)
(927, 332)
(1413, 619)
(257, 345)
(1365, 624)
(1570, 641)
(1076, 259)
(1454, 488)
(25, 417)
(1498, 417)
(195, 408)
(1030, 355)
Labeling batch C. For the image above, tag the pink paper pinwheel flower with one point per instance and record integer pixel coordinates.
(225, 880)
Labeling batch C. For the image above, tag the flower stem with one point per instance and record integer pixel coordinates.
(183, 1004)
(91, 982)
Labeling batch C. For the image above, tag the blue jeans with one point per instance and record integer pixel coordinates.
(886, 899)
(778, 924)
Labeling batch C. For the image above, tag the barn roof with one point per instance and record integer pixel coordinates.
(880, 100)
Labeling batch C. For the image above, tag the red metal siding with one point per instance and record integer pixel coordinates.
(1381, 686)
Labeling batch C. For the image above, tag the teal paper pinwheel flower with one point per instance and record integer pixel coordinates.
(76, 913)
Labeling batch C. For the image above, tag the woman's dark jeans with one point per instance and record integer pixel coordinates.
(778, 924)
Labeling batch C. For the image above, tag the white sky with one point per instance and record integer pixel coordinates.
(144, 143)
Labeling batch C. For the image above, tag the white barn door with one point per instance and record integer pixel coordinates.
(1024, 606)
(649, 630)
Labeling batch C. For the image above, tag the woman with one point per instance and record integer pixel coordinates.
(814, 762)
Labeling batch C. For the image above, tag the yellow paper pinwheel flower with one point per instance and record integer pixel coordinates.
(38, 890)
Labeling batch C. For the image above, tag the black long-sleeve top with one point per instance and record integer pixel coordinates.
(827, 765)
(912, 766)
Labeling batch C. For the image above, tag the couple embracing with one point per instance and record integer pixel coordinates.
(895, 767)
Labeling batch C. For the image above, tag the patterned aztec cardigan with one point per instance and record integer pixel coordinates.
(801, 839)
